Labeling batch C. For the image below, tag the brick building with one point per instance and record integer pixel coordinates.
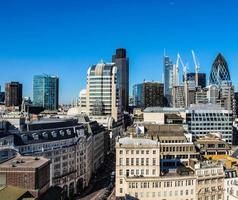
(30, 173)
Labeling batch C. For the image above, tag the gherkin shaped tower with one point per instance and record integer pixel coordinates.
(219, 71)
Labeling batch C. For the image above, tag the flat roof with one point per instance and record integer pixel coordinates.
(137, 141)
(28, 162)
(13, 193)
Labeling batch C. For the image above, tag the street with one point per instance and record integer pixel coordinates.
(101, 186)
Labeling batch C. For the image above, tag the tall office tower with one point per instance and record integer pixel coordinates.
(102, 95)
(201, 79)
(236, 104)
(178, 95)
(46, 91)
(13, 94)
(149, 94)
(168, 79)
(122, 63)
(219, 71)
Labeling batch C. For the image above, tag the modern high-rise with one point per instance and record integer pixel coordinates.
(191, 77)
(149, 94)
(13, 94)
(219, 71)
(168, 79)
(122, 63)
(46, 91)
(102, 93)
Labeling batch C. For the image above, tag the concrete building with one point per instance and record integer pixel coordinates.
(69, 146)
(82, 101)
(122, 62)
(148, 94)
(46, 91)
(201, 79)
(212, 144)
(30, 173)
(231, 185)
(103, 91)
(160, 115)
(13, 94)
(178, 96)
(138, 173)
(203, 119)
(210, 180)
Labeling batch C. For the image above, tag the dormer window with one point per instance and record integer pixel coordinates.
(61, 132)
(45, 135)
(24, 137)
(54, 134)
(35, 136)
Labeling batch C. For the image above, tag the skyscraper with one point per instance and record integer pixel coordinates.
(149, 94)
(168, 79)
(201, 79)
(122, 63)
(102, 93)
(219, 71)
(13, 94)
(46, 91)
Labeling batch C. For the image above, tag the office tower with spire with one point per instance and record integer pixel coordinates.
(219, 71)
(102, 93)
(46, 91)
(122, 63)
(168, 79)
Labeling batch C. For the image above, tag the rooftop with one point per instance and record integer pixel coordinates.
(27, 162)
(137, 141)
(13, 193)
(163, 110)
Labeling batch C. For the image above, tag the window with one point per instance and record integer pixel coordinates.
(154, 152)
(121, 190)
(120, 161)
(147, 161)
(120, 172)
(147, 172)
(142, 161)
(153, 172)
(127, 161)
(121, 152)
(147, 151)
(137, 161)
(154, 161)
(132, 161)
(121, 181)
(137, 151)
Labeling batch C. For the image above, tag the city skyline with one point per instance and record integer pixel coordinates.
(67, 52)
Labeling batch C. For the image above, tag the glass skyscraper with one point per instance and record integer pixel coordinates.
(46, 91)
(168, 79)
(219, 71)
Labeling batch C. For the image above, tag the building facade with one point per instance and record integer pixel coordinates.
(103, 91)
(30, 173)
(46, 91)
(203, 119)
(149, 94)
(13, 94)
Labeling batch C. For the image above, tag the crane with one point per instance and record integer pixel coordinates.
(197, 67)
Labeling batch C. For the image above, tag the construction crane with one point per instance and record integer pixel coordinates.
(197, 67)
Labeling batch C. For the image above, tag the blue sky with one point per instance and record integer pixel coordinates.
(65, 37)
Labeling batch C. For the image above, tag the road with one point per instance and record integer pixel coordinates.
(99, 184)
